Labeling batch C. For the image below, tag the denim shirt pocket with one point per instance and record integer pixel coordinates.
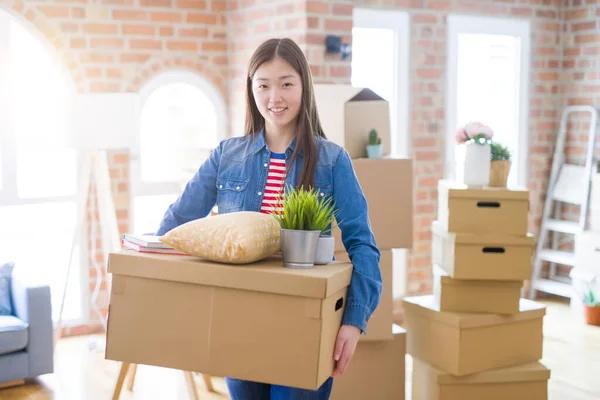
(230, 194)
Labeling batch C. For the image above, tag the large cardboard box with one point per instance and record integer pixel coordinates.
(482, 256)
(467, 343)
(521, 382)
(460, 295)
(349, 113)
(379, 326)
(261, 322)
(387, 186)
(462, 209)
(376, 371)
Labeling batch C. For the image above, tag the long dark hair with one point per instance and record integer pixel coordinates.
(308, 125)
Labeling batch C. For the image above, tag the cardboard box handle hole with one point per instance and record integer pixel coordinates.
(488, 204)
(339, 304)
(493, 250)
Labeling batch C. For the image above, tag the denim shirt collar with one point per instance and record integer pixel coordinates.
(260, 143)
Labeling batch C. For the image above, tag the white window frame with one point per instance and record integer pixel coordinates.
(469, 24)
(140, 188)
(399, 23)
(9, 191)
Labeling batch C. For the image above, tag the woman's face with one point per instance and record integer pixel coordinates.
(277, 90)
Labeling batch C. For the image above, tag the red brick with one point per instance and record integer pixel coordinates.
(96, 58)
(338, 24)
(590, 38)
(130, 15)
(68, 27)
(576, 14)
(214, 46)
(93, 72)
(584, 26)
(342, 9)
(165, 16)
(77, 43)
(145, 44)
(195, 18)
(166, 31)
(428, 73)
(195, 4)
(55, 11)
(101, 87)
(442, 5)
(156, 3)
(141, 30)
(106, 43)
(317, 7)
(179, 45)
(592, 51)
(134, 58)
(103, 29)
(521, 11)
(218, 5)
(340, 71)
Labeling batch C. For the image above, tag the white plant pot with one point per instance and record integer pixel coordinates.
(477, 164)
(325, 250)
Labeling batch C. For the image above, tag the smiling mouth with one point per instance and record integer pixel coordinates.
(277, 109)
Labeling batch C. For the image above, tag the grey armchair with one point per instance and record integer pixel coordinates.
(26, 337)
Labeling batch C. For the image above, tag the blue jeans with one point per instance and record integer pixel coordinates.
(247, 390)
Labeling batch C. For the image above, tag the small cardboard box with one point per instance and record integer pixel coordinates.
(379, 326)
(462, 209)
(387, 186)
(376, 371)
(482, 256)
(260, 322)
(349, 113)
(521, 382)
(467, 343)
(500, 297)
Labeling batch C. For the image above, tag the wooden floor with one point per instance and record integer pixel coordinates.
(571, 351)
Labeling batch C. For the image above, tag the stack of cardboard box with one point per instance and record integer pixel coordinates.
(475, 337)
(377, 370)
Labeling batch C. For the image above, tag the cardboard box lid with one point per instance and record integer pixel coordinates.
(460, 190)
(426, 307)
(268, 275)
(535, 371)
(498, 239)
(342, 94)
(447, 280)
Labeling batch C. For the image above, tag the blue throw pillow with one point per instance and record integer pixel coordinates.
(5, 297)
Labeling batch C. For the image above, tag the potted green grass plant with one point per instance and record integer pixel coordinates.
(500, 164)
(305, 217)
(591, 304)
(374, 148)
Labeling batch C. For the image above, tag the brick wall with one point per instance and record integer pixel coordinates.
(116, 45)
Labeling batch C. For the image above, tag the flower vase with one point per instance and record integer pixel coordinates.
(499, 171)
(477, 164)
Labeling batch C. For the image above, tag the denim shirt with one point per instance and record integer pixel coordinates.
(234, 177)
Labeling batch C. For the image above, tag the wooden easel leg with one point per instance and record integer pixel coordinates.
(120, 380)
(189, 378)
(131, 376)
(208, 382)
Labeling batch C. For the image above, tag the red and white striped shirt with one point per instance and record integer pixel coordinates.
(274, 193)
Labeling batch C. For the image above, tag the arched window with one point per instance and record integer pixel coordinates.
(183, 118)
(38, 175)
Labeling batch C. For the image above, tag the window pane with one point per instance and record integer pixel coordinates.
(149, 210)
(39, 94)
(175, 118)
(373, 67)
(46, 173)
(488, 89)
(38, 239)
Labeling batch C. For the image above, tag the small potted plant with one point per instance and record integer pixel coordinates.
(500, 165)
(591, 305)
(374, 148)
(303, 220)
(477, 138)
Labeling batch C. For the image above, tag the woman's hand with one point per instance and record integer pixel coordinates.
(345, 345)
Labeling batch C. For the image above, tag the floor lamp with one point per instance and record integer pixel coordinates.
(98, 122)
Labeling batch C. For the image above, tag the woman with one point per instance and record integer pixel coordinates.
(284, 143)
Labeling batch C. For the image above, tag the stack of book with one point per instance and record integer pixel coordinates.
(147, 244)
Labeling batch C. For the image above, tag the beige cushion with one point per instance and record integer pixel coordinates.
(234, 238)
